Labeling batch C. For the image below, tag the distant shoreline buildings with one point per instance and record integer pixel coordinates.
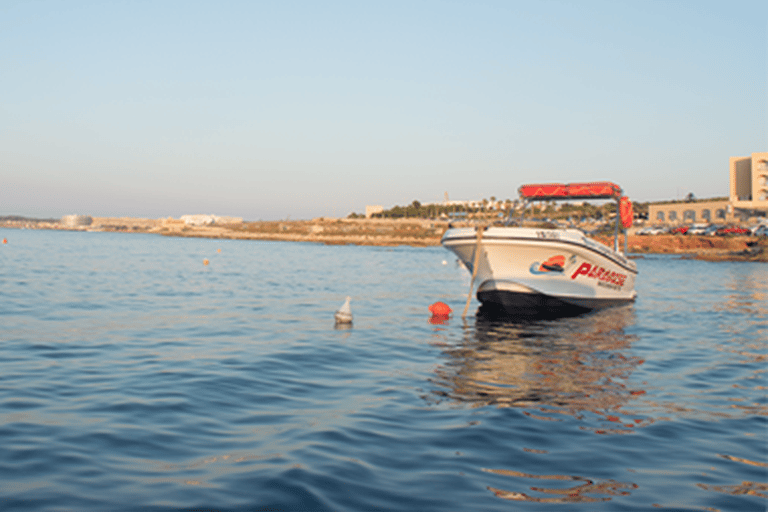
(748, 178)
(76, 221)
(207, 220)
(748, 198)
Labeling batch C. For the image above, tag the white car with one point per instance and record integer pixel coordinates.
(711, 230)
(698, 229)
(653, 230)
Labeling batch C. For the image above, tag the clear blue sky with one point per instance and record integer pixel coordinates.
(267, 110)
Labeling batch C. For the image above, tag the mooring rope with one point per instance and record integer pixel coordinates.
(480, 230)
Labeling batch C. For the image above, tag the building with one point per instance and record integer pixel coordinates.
(207, 220)
(76, 221)
(371, 210)
(690, 212)
(748, 197)
(749, 182)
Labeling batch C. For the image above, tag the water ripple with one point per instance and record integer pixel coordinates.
(134, 377)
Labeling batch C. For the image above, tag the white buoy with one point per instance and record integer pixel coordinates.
(344, 314)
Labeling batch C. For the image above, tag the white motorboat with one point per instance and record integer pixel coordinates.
(542, 271)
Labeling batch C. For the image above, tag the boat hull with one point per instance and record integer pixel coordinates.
(543, 271)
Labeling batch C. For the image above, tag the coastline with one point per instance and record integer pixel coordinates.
(411, 232)
(706, 248)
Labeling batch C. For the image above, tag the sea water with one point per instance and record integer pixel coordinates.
(133, 376)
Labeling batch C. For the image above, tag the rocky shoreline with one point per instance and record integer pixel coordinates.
(412, 232)
(708, 248)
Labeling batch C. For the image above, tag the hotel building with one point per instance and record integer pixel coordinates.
(748, 197)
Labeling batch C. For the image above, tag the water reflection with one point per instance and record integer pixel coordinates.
(747, 488)
(579, 493)
(746, 292)
(574, 364)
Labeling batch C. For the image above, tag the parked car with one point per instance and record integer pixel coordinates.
(603, 229)
(653, 230)
(698, 229)
(680, 230)
(712, 230)
(761, 230)
(643, 231)
(733, 230)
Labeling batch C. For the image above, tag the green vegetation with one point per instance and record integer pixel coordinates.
(494, 209)
(416, 210)
(690, 199)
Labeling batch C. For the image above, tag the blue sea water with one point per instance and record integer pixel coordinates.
(134, 377)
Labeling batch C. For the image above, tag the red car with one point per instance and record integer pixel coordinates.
(680, 229)
(732, 230)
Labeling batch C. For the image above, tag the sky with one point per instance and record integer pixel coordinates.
(302, 109)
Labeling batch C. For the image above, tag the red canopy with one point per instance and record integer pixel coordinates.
(591, 190)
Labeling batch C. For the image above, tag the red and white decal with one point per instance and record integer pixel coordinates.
(599, 273)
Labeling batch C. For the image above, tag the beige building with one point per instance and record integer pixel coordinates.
(371, 210)
(76, 221)
(748, 197)
(207, 220)
(749, 182)
(705, 212)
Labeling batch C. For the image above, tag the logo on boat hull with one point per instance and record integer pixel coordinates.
(603, 276)
(554, 264)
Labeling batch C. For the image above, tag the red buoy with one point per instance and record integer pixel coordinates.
(440, 309)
